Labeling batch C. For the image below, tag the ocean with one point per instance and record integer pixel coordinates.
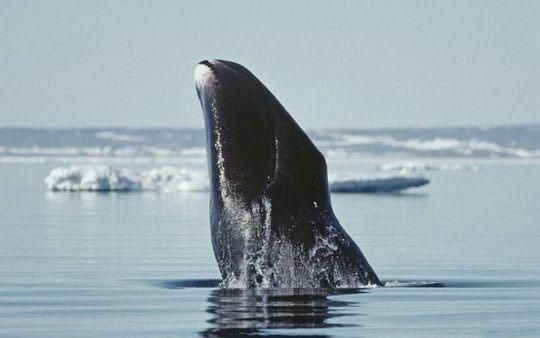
(117, 241)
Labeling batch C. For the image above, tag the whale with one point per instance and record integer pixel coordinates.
(271, 219)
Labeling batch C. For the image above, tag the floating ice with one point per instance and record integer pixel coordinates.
(425, 166)
(376, 183)
(414, 284)
(99, 178)
(107, 178)
(173, 179)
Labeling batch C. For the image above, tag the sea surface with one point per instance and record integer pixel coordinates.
(140, 263)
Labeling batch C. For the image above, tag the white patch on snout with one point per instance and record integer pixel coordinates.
(203, 75)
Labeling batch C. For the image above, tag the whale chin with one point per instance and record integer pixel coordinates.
(271, 218)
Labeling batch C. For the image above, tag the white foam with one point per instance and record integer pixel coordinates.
(375, 183)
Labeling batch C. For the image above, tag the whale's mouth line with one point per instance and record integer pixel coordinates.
(275, 149)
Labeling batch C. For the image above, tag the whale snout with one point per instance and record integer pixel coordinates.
(207, 63)
(203, 73)
(212, 72)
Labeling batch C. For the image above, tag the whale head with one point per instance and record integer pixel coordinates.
(253, 143)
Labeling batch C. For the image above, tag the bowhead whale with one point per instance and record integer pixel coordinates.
(272, 222)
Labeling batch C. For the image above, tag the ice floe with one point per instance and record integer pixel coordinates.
(410, 166)
(107, 178)
(177, 179)
(375, 183)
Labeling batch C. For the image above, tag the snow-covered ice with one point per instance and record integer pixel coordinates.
(375, 183)
(173, 179)
(408, 166)
(107, 178)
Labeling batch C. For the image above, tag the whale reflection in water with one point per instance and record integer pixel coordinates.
(249, 312)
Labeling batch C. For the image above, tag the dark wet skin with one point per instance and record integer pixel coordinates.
(267, 175)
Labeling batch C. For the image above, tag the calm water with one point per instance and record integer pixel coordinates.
(141, 264)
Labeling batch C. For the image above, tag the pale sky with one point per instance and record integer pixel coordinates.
(331, 63)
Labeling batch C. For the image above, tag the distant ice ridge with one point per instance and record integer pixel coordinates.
(409, 166)
(102, 152)
(107, 178)
(510, 142)
(173, 179)
(120, 137)
(338, 143)
(375, 183)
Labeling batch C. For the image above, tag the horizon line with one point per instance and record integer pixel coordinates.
(510, 125)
